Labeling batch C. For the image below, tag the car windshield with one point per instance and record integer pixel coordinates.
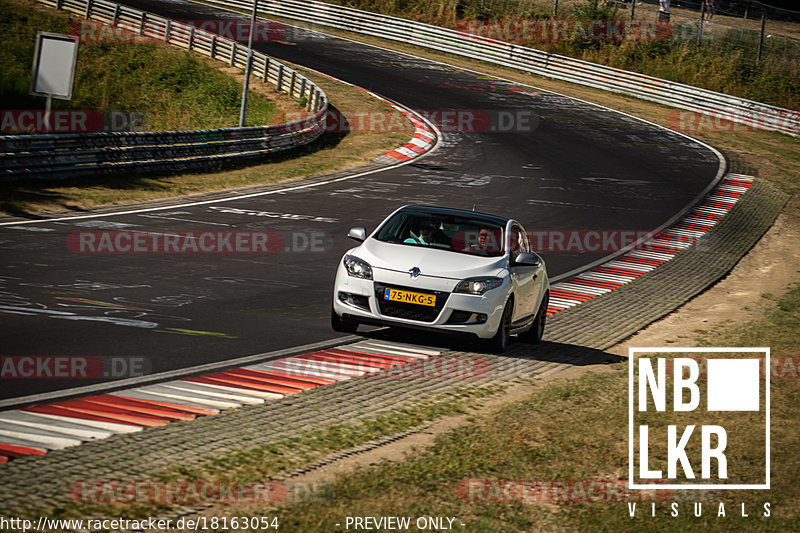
(462, 234)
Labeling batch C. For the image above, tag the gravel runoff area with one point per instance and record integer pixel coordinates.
(35, 485)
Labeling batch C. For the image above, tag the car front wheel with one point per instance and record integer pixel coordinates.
(342, 325)
(499, 343)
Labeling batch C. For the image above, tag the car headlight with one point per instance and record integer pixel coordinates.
(478, 285)
(357, 268)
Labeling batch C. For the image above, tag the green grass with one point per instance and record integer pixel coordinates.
(717, 66)
(171, 88)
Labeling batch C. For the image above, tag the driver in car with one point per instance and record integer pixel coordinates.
(427, 233)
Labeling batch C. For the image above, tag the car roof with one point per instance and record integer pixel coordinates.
(444, 211)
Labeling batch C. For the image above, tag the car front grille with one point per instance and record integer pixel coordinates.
(409, 311)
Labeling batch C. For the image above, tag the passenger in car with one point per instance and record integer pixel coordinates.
(488, 241)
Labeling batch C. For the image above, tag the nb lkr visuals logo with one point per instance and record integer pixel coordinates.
(678, 416)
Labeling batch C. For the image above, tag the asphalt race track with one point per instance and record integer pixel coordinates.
(569, 166)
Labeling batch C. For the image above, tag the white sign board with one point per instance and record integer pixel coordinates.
(54, 65)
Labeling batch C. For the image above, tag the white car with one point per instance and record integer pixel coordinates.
(446, 270)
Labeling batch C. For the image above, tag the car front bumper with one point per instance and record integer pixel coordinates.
(360, 300)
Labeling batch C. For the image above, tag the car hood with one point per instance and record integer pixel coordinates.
(430, 261)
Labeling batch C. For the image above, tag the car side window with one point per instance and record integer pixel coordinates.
(518, 241)
(523, 240)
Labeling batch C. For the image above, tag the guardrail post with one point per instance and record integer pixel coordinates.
(319, 100)
(233, 53)
(58, 5)
(266, 68)
(280, 78)
(303, 88)
(88, 11)
(142, 22)
(167, 27)
(116, 13)
(191, 36)
(291, 83)
(213, 49)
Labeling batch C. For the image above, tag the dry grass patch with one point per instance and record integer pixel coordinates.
(576, 430)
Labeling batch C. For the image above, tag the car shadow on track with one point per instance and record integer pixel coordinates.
(551, 352)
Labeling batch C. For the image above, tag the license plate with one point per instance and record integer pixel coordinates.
(410, 297)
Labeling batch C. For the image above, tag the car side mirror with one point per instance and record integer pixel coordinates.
(359, 234)
(528, 259)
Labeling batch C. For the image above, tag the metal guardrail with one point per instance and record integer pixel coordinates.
(82, 154)
(721, 106)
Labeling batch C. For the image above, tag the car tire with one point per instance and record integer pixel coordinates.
(535, 334)
(499, 343)
(342, 325)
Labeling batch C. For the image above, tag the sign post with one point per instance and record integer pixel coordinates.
(243, 110)
(54, 63)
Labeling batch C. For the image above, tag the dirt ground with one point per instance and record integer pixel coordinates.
(768, 269)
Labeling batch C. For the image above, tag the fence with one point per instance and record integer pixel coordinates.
(754, 114)
(758, 29)
(81, 154)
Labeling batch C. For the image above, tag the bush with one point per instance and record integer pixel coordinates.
(593, 10)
